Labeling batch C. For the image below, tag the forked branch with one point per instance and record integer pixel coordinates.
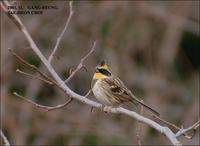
(34, 76)
(80, 66)
(32, 66)
(71, 12)
(193, 128)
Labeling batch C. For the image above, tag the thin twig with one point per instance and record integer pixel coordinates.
(62, 33)
(162, 129)
(6, 142)
(88, 93)
(81, 63)
(91, 109)
(166, 122)
(138, 131)
(193, 127)
(171, 124)
(34, 76)
(46, 108)
(31, 66)
(53, 82)
(71, 71)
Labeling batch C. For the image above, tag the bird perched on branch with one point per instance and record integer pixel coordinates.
(111, 91)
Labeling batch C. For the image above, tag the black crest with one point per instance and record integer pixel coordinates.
(102, 63)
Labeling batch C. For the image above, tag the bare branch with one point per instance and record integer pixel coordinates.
(6, 142)
(34, 76)
(193, 127)
(139, 128)
(62, 33)
(31, 66)
(170, 124)
(81, 63)
(46, 108)
(53, 82)
(166, 122)
(181, 130)
(163, 130)
(88, 93)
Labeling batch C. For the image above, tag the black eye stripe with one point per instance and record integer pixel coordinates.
(104, 71)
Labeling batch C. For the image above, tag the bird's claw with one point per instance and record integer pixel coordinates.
(107, 109)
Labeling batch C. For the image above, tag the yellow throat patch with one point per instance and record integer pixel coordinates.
(98, 76)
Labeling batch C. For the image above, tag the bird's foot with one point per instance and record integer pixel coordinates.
(107, 109)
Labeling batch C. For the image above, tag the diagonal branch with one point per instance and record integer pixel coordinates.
(53, 82)
(81, 63)
(88, 93)
(34, 76)
(139, 128)
(172, 125)
(62, 33)
(6, 142)
(46, 108)
(166, 122)
(191, 128)
(162, 129)
(31, 66)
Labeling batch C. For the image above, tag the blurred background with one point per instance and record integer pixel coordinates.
(152, 46)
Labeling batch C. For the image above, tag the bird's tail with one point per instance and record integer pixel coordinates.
(135, 100)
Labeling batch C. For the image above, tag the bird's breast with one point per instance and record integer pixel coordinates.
(101, 94)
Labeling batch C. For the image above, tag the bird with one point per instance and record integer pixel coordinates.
(110, 91)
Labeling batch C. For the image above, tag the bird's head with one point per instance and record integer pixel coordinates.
(101, 71)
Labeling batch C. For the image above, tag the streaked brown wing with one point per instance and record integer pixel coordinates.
(122, 94)
(118, 89)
